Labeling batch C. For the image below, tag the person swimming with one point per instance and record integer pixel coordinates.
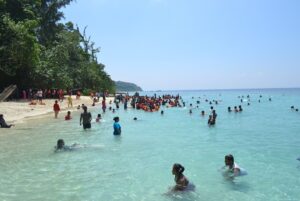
(98, 118)
(202, 113)
(231, 169)
(182, 183)
(240, 108)
(68, 116)
(229, 109)
(135, 119)
(236, 109)
(62, 147)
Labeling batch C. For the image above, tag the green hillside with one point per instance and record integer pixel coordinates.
(127, 86)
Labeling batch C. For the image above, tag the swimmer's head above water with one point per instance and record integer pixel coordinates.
(229, 160)
(177, 169)
(60, 144)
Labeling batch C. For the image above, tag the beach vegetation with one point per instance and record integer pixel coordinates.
(38, 50)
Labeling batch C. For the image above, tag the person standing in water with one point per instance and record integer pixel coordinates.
(181, 181)
(231, 168)
(56, 109)
(229, 109)
(68, 116)
(103, 104)
(85, 118)
(117, 127)
(98, 118)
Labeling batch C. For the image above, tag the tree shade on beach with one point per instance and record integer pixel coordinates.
(37, 50)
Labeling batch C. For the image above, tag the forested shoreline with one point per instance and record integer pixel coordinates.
(37, 50)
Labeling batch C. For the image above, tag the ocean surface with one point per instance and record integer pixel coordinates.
(264, 139)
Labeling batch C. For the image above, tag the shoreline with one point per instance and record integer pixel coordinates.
(16, 111)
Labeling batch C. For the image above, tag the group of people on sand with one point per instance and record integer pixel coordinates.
(40, 94)
(229, 171)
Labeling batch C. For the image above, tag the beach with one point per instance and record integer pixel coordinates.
(16, 111)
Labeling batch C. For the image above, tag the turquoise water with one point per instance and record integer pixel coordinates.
(264, 140)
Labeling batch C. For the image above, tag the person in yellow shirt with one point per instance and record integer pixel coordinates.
(70, 102)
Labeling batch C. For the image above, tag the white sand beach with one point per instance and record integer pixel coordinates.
(16, 111)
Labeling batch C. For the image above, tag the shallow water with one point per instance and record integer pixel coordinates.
(264, 139)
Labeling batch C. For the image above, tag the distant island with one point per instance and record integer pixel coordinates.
(127, 86)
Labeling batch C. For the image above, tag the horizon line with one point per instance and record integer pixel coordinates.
(274, 88)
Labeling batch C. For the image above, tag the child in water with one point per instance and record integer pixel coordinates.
(60, 146)
(68, 116)
(117, 127)
(98, 118)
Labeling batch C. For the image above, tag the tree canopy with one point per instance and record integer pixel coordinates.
(38, 50)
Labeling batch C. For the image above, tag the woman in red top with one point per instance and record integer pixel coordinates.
(56, 109)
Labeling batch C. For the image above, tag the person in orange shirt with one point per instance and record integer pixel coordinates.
(56, 109)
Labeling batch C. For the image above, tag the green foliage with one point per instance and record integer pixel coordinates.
(38, 51)
(126, 86)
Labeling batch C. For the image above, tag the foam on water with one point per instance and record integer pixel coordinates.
(264, 139)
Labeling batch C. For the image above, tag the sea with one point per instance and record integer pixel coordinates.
(137, 166)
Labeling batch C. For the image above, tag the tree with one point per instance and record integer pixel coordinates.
(37, 50)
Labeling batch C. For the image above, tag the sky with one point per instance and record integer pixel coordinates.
(195, 44)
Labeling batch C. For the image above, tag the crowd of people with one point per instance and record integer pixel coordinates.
(147, 104)
(40, 94)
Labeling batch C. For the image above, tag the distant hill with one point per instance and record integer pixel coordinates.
(127, 86)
